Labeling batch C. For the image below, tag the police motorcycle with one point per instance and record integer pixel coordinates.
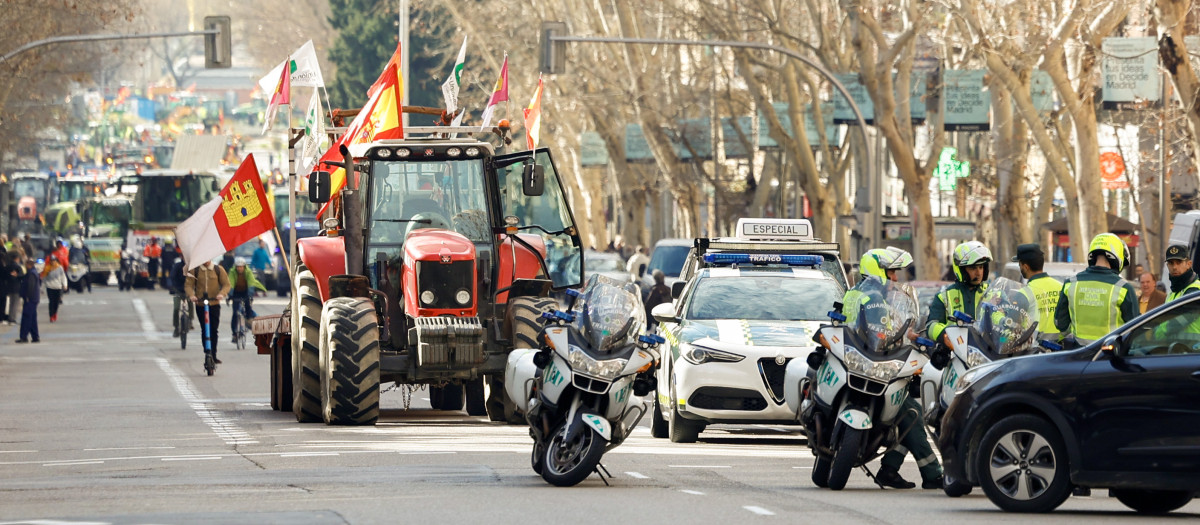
(1006, 326)
(583, 390)
(133, 272)
(850, 390)
(79, 268)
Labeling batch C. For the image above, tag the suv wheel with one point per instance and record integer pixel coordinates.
(1022, 465)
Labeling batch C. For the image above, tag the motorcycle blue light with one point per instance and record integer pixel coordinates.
(763, 258)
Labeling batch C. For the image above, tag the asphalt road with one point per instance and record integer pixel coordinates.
(108, 421)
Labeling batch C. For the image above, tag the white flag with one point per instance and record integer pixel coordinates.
(450, 87)
(306, 71)
(314, 134)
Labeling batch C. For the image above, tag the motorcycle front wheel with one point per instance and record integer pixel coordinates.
(844, 458)
(568, 463)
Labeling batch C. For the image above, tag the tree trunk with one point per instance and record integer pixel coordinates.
(1171, 16)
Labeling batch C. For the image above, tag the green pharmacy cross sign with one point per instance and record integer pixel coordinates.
(949, 169)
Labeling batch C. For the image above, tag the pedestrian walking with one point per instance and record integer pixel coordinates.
(56, 284)
(261, 259)
(1031, 260)
(14, 273)
(27, 245)
(636, 266)
(31, 295)
(659, 294)
(4, 286)
(1097, 300)
(152, 252)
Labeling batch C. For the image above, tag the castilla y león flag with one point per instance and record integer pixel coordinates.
(240, 213)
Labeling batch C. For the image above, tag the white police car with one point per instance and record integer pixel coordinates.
(730, 335)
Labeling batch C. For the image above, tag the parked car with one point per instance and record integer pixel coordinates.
(1120, 413)
(606, 264)
(730, 337)
(668, 255)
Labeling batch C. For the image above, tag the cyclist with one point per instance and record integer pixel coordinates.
(242, 283)
(175, 281)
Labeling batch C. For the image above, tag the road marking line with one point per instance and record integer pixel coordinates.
(192, 458)
(699, 466)
(17, 451)
(147, 323)
(225, 428)
(307, 454)
(808, 467)
(692, 492)
(759, 510)
(68, 463)
(637, 475)
(125, 448)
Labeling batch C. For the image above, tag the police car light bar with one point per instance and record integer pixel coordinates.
(763, 258)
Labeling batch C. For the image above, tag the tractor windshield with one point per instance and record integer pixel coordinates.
(546, 215)
(410, 195)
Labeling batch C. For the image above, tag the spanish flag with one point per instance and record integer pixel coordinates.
(533, 118)
(238, 214)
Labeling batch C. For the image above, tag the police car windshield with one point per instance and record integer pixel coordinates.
(763, 297)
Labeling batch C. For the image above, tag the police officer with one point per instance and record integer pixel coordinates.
(884, 264)
(970, 263)
(1031, 260)
(1097, 300)
(1179, 267)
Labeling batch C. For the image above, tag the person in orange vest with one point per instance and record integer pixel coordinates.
(152, 252)
(61, 253)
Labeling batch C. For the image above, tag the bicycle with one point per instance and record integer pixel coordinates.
(184, 320)
(240, 326)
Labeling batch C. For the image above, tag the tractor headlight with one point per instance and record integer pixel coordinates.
(453, 152)
(858, 364)
(383, 153)
(463, 297)
(584, 364)
(472, 151)
(403, 153)
(427, 297)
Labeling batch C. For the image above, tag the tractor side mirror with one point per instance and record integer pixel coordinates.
(318, 187)
(533, 180)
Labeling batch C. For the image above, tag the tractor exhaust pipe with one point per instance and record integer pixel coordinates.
(352, 217)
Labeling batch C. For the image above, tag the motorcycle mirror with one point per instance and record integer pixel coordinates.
(533, 180)
(1051, 346)
(926, 342)
(964, 318)
(837, 316)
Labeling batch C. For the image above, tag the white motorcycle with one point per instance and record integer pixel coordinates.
(583, 391)
(850, 391)
(1006, 326)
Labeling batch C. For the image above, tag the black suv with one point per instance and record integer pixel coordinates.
(1122, 413)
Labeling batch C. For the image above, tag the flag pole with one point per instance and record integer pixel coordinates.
(291, 184)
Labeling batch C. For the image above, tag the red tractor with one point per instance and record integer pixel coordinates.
(439, 258)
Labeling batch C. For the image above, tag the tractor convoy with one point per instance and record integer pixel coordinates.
(436, 257)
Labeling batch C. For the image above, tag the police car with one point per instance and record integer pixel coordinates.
(736, 323)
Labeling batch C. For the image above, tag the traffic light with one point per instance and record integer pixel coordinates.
(553, 55)
(218, 51)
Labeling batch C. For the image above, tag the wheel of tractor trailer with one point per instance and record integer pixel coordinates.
(449, 397)
(306, 348)
(350, 362)
(473, 391)
(521, 326)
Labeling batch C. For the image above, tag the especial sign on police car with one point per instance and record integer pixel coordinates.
(774, 229)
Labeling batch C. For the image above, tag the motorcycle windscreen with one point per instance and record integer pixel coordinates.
(610, 316)
(1006, 322)
(887, 313)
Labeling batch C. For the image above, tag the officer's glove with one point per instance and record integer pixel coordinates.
(940, 356)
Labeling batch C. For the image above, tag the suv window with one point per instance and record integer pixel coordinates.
(669, 259)
(1176, 331)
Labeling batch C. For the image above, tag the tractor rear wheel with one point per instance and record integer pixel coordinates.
(306, 348)
(349, 362)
